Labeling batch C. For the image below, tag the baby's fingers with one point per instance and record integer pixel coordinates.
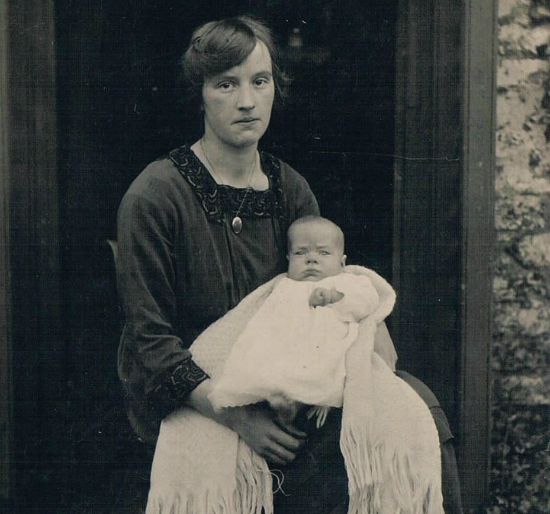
(317, 298)
(335, 295)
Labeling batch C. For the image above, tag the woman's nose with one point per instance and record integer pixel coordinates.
(246, 98)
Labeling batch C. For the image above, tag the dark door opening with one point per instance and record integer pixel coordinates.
(119, 108)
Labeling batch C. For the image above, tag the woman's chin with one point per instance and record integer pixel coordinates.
(241, 142)
(248, 138)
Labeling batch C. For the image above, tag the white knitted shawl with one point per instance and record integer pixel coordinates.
(388, 438)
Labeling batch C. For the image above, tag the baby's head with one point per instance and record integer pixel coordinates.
(315, 249)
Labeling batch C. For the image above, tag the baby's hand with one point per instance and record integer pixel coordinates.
(321, 296)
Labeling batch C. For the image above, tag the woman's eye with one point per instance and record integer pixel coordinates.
(261, 82)
(225, 86)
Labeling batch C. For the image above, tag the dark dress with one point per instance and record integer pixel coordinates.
(180, 267)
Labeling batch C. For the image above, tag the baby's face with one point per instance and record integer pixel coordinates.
(315, 252)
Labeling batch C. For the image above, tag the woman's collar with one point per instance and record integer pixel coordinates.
(208, 192)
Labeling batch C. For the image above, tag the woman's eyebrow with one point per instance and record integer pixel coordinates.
(232, 76)
(224, 76)
(263, 73)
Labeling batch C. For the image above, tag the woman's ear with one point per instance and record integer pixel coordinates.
(343, 261)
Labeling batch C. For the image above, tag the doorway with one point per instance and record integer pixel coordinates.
(119, 108)
(91, 55)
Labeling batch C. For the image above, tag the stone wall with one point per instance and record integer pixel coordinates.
(520, 471)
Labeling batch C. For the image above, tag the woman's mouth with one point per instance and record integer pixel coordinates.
(246, 121)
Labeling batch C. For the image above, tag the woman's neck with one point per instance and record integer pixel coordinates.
(237, 167)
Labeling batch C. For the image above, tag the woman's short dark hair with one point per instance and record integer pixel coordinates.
(217, 46)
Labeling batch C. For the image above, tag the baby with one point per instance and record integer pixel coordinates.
(305, 341)
(292, 351)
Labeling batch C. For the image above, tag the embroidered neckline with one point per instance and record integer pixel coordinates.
(221, 201)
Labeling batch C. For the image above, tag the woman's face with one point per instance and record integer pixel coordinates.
(237, 103)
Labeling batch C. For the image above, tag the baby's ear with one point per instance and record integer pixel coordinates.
(287, 257)
(343, 262)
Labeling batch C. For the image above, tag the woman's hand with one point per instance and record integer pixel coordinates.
(255, 424)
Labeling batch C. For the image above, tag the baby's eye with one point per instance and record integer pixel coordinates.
(299, 252)
(324, 252)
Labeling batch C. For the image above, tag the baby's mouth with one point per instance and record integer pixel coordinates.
(311, 272)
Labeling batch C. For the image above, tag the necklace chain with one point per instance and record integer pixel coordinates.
(237, 222)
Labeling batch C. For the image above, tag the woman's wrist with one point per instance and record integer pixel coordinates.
(198, 400)
(198, 397)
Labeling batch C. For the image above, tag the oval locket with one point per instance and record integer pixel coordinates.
(237, 225)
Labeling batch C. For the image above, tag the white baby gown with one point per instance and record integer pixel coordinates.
(292, 350)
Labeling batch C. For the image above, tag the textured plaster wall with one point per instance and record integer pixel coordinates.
(520, 474)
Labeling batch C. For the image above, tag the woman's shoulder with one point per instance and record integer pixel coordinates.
(158, 180)
(292, 184)
(288, 175)
(297, 197)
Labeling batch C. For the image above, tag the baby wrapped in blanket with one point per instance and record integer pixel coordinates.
(293, 349)
(303, 338)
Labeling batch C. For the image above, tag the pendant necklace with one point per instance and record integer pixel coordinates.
(236, 222)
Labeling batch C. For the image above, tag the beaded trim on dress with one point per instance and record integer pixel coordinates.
(218, 200)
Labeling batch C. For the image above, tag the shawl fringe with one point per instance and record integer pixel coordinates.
(251, 492)
(371, 469)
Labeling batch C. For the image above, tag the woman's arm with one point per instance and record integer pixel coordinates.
(255, 424)
(153, 362)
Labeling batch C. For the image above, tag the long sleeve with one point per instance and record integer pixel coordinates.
(360, 297)
(146, 278)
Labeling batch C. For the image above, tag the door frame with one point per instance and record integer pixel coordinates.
(31, 349)
(6, 393)
(444, 221)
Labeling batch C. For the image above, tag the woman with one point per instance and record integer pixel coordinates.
(198, 231)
